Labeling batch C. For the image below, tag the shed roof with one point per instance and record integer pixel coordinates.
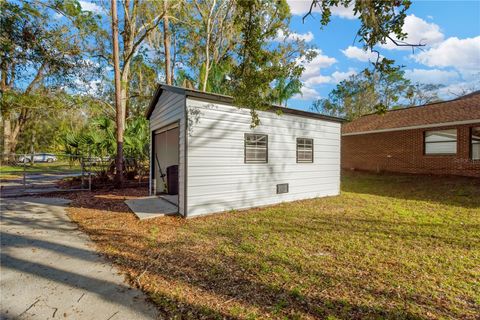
(465, 108)
(229, 100)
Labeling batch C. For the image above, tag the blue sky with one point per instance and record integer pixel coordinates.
(450, 30)
(451, 57)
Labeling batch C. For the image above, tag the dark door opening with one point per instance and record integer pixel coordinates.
(165, 160)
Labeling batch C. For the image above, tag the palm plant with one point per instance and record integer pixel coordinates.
(284, 90)
(98, 141)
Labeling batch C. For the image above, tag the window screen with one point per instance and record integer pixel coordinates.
(304, 150)
(256, 148)
(475, 143)
(441, 142)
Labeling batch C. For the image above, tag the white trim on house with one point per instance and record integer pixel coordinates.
(169, 113)
(168, 127)
(433, 125)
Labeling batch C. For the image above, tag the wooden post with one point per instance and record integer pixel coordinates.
(24, 171)
(90, 170)
(82, 165)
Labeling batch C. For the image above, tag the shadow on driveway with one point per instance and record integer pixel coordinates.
(49, 269)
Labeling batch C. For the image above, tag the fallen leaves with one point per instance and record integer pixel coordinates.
(376, 251)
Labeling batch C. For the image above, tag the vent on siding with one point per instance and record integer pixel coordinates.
(282, 188)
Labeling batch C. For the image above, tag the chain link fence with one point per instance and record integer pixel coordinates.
(50, 172)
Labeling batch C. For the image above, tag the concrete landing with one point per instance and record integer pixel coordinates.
(151, 207)
(172, 198)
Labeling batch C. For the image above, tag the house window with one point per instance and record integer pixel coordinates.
(441, 142)
(304, 150)
(475, 143)
(256, 148)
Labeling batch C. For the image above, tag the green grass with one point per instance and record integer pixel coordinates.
(389, 247)
(12, 171)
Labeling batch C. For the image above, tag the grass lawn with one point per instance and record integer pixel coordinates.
(389, 247)
(8, 172)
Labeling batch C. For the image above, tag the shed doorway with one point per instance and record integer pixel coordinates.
(165, 160)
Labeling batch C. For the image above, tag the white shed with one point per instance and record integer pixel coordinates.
(216, 162)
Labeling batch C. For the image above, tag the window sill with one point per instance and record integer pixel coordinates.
(440, 155)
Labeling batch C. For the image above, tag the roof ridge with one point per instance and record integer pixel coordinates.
(467, 96)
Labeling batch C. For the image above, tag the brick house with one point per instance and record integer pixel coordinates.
(436, 138)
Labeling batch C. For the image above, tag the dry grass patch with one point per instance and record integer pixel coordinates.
(390, 247)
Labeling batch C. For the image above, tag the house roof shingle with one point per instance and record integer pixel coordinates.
(462, 109)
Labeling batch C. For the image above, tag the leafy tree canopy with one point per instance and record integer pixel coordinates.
(375, 89)
(379, 20)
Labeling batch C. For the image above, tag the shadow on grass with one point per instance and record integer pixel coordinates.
(179, 264)
(209, 273)
(226, 278)
(448, 190)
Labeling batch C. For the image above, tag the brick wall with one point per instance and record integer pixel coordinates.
(403, 151)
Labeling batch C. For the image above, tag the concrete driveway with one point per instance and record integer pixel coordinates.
(49, 269)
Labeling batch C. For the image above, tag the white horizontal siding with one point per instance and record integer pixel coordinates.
(219, 180)
(237, 144)
(219, 111)
(169, 109)
(221, 204)
(282, 128)
(281, 136)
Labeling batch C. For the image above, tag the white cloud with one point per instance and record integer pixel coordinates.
(308, 93)
(339, 76)
(318, 79)
(353, 52)
(344, 12)
(312, 76)
(433, 76)
(455, 90)
(461, 54)
(301, 7)
(334, 78)
(418, 31)
(91, 6)
(313, 68)
(307, 37)
(88, 87)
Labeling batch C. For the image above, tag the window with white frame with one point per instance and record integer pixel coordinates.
(441, 142)
(475, 143)
(256, 148)
(304, 150)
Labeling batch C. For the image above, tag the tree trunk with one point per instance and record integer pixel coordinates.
(7, 137)
(207, 58)
(166, 44)
(17, 128)
(11, 127)
(120, 118)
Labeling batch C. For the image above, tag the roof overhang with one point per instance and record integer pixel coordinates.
(423, 126)
(213, 97)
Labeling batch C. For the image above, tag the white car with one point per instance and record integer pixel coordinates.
(38, 157)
